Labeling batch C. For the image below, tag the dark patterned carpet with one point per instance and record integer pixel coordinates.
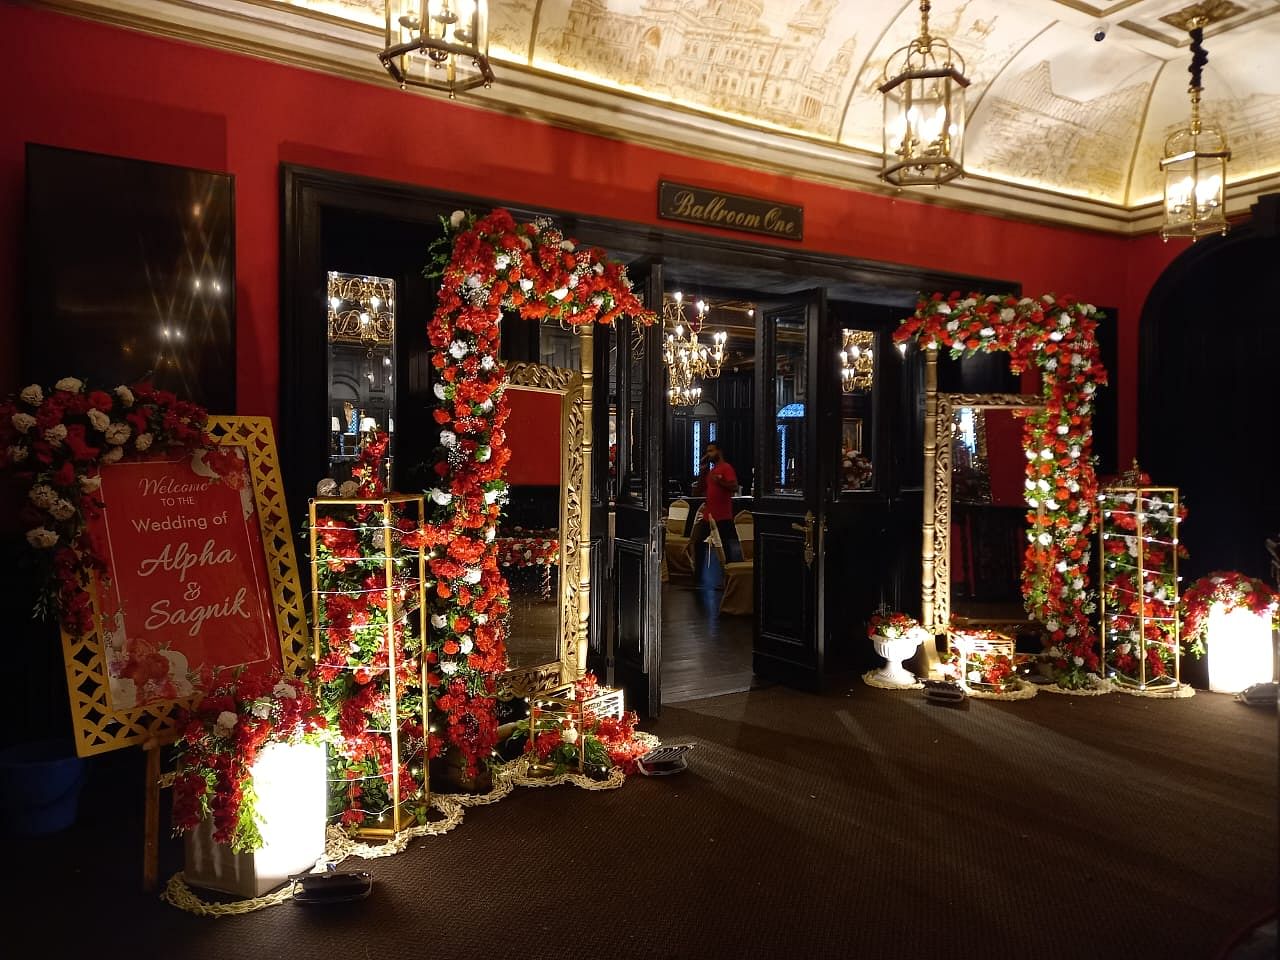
(857, 824)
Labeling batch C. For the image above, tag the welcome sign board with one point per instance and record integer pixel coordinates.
(201, 578)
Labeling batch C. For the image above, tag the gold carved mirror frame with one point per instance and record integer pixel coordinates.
(935, 584)
(573, 582)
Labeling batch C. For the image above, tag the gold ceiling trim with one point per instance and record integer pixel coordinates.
(1209, 11)
(1142, 126)
(1181, 40)
(1078, 212)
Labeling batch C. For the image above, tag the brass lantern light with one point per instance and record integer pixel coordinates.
(923, 111)
(439, 44)
(1195, 162)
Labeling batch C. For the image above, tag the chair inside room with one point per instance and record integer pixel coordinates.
(675, 557)
(739, 575)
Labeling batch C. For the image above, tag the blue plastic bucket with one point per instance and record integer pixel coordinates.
(39, 788)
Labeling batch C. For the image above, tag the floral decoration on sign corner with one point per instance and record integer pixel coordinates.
(485, 266)
(1235, 591)
(220, 738)
(1058, 337)
(605, 742)
(53, 443)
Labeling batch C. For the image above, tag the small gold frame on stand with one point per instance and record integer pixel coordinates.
(390, 508)
(560, 709)
(1113, 499)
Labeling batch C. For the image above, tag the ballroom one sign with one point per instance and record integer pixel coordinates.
(730, 211)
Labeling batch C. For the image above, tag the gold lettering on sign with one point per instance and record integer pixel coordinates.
(677, 202)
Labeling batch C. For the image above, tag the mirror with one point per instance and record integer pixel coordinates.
(361, 367)
(979, 510)
(539, 533)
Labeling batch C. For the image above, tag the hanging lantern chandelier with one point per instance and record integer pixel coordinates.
(1195, 162)
(857, 360)
(923, 111)
(688, 359)
(439, 44)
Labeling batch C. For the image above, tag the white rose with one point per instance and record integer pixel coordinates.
(62, 510)
(118, 433)
(438, 621)
(1006, 315)
(491, 496)
(448, 439)
(569, 735)
(448, 668)
(56, 434)
(42, 495)
(41, 538)
(466, 644)
(487, 406)
(561, 293)
(99, 420)
(526, 284)
(456, 218)
(125, 395)
(987, 332)
(226, 721)
(285, 690)
(348, 489)
(501, 261)
(1078, 661)
(143, 441)
(486, 363)
(69, 385)
(438, 390)
(261, 709)
(944, 308)
(442, 497)
(489, 534)
(482, 618)
(975, 676)
(566, 246)
(458, 349)
(483, 454)
(1045, 539)
(471, 575)
(17, 454)
(112, 455)
(32, 395)
(953, 325)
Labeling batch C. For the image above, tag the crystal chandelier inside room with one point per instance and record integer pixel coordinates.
(688, 359)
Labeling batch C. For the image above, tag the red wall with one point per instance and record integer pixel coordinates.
(135, 95)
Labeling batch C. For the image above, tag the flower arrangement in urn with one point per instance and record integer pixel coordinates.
(895, 636)
(221, 737)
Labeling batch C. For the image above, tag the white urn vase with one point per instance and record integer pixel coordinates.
(895, 650)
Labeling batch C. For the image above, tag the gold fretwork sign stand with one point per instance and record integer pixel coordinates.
(400, 573)
(1138, 575)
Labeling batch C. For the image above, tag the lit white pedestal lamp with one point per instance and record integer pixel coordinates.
(1239, 648)
(289, 780)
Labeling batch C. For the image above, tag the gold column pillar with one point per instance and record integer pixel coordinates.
(584, 539)
(927, 575)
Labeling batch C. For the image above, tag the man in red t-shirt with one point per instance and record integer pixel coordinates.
(721, 483)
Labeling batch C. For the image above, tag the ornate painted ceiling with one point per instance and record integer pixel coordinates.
(1062, 126)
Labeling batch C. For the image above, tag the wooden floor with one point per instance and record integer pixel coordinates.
(703, 654)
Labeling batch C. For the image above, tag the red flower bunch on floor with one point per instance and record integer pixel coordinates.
(219, 740)
(487, 265)
(53, 443)
(891, 626)
(1058, 337)
(982, 657)
(605, 741)
(1234, 591)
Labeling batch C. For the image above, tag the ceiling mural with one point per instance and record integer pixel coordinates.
(1070, 98)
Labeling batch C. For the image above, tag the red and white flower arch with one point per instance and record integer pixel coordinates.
(486, 266)
(1058, 338)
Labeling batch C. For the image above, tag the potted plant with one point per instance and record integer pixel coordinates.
(895, 636)
(249, 793)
